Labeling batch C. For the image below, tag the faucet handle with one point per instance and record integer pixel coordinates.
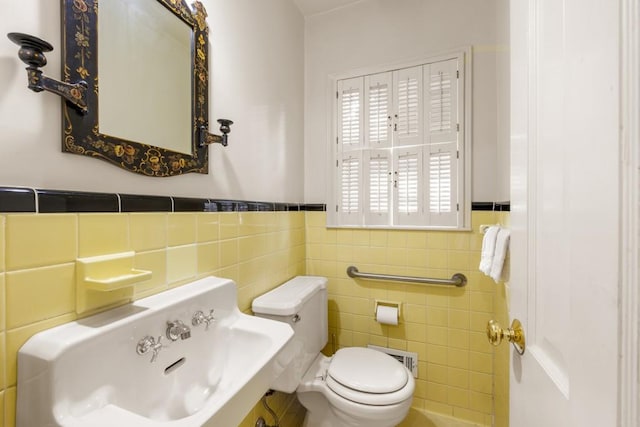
(209, 318)
(156, 349)
(148, 344)
(199, 318)
(176, 329)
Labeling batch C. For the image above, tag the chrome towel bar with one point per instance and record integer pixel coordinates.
(457, 279)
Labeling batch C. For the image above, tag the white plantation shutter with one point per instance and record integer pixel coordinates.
(350, 194)
(350, 113)
(440, 182)
(377, 203)
(407, 85)
(377, 114)
(442, 187)
(400, 148)
(441, 100)
(442, 118)
(350, 143)
(408, 186)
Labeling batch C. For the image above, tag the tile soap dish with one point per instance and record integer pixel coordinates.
(109, 272)
(117, 282)
(111, 275)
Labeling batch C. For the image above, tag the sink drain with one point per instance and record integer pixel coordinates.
(175, 365)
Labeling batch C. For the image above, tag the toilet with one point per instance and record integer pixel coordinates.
(354, 387)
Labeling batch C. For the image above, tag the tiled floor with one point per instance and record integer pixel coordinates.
(417, 418)
(294, 416)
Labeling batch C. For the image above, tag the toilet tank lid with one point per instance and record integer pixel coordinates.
(288, 298)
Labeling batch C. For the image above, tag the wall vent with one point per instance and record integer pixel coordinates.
(407, 358)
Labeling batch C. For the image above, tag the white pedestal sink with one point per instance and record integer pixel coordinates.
(89, 373)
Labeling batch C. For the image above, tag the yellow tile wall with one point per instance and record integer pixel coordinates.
(444, 325)
(460, 374)
(259, 250)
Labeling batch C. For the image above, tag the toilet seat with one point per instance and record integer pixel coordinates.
(368, 377)
(327, 406)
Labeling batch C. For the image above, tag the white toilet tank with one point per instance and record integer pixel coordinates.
(302, 303)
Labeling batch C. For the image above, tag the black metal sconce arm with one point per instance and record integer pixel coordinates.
(208, 138)
(32, 53)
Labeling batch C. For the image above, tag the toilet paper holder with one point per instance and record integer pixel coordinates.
(385, 303)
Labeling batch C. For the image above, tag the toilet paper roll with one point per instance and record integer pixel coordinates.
(387, 315)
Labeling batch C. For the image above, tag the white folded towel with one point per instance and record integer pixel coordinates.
(488, 248)
(500, 253)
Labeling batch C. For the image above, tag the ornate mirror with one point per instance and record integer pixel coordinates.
(145, 64)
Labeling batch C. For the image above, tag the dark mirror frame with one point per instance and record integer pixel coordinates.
(81, 132)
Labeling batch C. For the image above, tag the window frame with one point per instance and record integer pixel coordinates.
(463, 55)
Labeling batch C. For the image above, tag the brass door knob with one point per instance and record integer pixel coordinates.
(514, 334)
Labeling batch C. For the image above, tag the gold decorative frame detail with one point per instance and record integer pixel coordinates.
(81, 133)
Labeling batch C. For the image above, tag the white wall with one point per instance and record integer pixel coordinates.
(503, 80)
(378, 32)
(256, 70)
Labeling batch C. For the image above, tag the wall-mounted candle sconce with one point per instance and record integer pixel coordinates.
(32, 53)
(208, 138)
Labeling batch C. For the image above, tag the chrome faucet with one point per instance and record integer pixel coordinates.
(177, 329)
(147, 344)
(199, 318)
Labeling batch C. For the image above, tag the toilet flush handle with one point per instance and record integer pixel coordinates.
(295, 318)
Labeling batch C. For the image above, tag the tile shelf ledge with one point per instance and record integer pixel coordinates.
(117, 282)
(111, 275)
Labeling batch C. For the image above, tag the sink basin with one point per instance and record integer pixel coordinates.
(91, 373)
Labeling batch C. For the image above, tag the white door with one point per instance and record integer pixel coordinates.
(565, 211)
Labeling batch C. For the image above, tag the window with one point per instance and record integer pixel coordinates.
(400, 148)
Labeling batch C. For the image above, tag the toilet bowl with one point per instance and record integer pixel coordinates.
(354, 387)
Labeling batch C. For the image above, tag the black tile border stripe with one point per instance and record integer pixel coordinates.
(503, 206)
(482, 206)
(18, 199)
(311, 207)
(141, 203)
(491, 206)
(185, 204)
(53, 201)
(14, 199)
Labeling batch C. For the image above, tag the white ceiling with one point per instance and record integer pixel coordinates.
(314, 7)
